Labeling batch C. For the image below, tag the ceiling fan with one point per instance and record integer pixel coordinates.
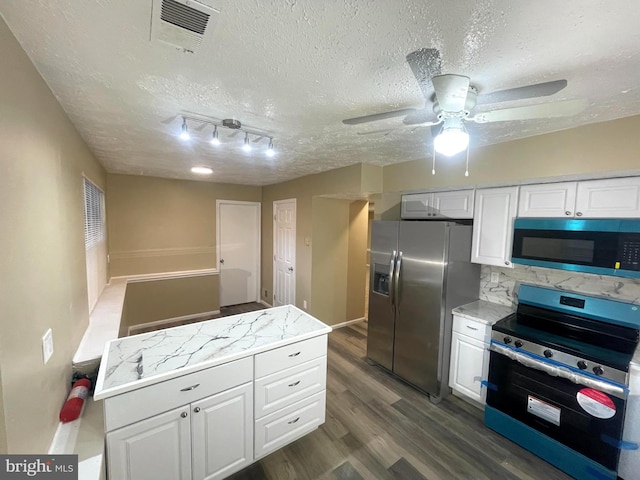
(450, 100)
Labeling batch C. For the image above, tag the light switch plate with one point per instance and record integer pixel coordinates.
(47, 346)
(495, 277)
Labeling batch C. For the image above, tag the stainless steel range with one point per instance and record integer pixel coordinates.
(558, 378)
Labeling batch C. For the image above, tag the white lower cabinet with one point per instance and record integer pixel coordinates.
(469, 358)
(153, 449)
(206, 440)
(203, 425)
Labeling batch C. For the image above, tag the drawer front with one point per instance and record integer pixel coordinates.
(290, 355)
(284, 426)
(286, 387)
(148, 401)
(471, 328)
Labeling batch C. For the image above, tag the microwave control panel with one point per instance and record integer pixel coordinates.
(629, 251)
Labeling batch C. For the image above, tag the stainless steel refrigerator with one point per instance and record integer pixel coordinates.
(420, 271)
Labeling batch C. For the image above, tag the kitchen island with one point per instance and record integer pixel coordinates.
(204, 400)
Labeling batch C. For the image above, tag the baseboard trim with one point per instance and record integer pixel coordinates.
(159, 323)
(262, 302)
(348, 322)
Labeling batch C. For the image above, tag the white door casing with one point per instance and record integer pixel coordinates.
(238, 249)
(284, 252)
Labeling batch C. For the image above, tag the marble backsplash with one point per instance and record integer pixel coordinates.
(505, 290)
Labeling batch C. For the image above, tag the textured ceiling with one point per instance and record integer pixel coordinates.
(297, 68)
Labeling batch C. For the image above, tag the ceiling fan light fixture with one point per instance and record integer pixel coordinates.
(202, 170)
(452, 139)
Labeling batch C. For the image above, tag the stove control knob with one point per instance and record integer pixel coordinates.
(548, 353)
(507, 340)
(518, 343)
(582, 365)
(598, 370)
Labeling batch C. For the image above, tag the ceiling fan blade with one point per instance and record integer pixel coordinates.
(529, 91)
(419, 117)
(378, 116)
(544, 110)
(425, 64)
(451, 91)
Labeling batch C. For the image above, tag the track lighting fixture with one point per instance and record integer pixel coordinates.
(247, 146)
(231, 124)
(214, 139)
(184, 133)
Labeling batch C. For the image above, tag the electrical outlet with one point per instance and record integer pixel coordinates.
(47, 345)
(495, 277)
(304, 304)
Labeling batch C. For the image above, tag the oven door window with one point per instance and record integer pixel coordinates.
(558, 408)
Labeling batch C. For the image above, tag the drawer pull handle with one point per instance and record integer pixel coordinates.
(184, 414)
(192, 387)
(294, 421)
(294, 354)
(294, 383)
(471, 328)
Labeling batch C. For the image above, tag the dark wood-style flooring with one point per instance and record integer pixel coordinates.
(380, 428)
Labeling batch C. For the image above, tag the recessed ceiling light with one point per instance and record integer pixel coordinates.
(202, 170)
(246, 146)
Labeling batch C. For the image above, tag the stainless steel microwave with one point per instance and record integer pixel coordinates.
(600, 246)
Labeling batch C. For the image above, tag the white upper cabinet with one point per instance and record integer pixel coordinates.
(494, 212)
(608, 198)
(548, 200)
(456, 204)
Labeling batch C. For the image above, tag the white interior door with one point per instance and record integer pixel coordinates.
(284, 252)
(238, 226)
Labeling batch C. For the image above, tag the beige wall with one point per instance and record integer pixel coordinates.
(357, 270)
(592, 150)
(330, 258)
(43, 282)
(153, 300)
(163, 225)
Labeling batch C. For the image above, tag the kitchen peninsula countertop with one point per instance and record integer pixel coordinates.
(140, 360)
(483, 311)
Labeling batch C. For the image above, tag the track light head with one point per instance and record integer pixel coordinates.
(247, 146)
(270, 151)
(184, 132)
(214, 139)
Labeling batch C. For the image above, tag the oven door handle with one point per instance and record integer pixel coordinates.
(558, 371)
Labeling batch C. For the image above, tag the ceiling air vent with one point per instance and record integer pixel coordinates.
(183, 24)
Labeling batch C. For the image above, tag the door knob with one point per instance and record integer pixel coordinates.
(222, 260)
(290, 269)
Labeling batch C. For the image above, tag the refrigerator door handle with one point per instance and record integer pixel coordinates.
(396, 279)
(392, 264)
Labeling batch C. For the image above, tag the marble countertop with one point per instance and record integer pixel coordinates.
(140, 360)
(484, 311)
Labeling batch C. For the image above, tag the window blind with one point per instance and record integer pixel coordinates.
(93, 215)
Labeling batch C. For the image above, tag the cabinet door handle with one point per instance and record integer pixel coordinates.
(294, 354)
(578, 214)
(197, 409)
(294, 383)
(567, 212)
(293, 421)
(184, 414)
(192, 387)
(471, 328)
